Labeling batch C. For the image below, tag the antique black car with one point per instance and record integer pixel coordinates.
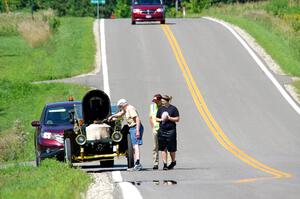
(93, 137)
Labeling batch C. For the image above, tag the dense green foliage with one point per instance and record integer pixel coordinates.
(283, 7)
(122, 9)
(77, 8)
(119, 8)
(51, 180)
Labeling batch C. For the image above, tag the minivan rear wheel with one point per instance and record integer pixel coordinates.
(163, 21)
(132, 22)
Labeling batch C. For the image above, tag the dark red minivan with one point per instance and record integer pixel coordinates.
(147, 10)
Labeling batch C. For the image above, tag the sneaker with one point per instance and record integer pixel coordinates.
(165, 167)
(155, 167)
(137, 167)
(172, 165)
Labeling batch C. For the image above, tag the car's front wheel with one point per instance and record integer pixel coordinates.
(133, 22)
(163, 21)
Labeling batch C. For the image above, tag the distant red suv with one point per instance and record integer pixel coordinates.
(147, 10)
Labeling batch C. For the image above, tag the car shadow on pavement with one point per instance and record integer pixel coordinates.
(98, 168)
(175, 169)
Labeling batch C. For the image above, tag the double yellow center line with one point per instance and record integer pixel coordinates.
(208, 118)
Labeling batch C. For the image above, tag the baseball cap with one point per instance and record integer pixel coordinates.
(156, 97)
(121, 102)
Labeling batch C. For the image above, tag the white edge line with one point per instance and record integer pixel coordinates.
(261, 65)
(103, 59)
(128, 190)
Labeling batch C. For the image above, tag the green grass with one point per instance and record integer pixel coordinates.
(69, 52)
(297, 86)
(9, 22)
(52, 180)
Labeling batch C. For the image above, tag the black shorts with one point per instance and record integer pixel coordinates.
(167, 139)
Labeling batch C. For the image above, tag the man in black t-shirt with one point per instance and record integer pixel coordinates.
(167, 116)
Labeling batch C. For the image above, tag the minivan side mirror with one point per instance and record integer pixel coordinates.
(35, 123)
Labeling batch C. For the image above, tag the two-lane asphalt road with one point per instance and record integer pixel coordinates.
(237, 137)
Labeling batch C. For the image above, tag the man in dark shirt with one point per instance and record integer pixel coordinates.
(167, 116)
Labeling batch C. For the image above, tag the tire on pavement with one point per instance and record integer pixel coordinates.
(130, 160)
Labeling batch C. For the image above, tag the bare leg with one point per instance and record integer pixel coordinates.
(136, 149)
(173, 154)
(164, 156)
(169, 159)
(155, 148)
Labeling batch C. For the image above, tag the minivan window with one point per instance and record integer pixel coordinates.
(147, 2)
(58, 115)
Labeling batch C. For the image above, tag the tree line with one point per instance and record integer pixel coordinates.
(80, 8)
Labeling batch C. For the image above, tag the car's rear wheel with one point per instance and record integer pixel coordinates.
(68, 151)
(133, 22)
(130, 160)
(163, 21)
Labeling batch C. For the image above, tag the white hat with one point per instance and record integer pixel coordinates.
(122, 102)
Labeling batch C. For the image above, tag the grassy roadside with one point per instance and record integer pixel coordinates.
(66, 52)
(69, 52)
(297, 86)
(51, 180)
(266, 29)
